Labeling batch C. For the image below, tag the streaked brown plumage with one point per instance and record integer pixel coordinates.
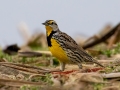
(63, 47)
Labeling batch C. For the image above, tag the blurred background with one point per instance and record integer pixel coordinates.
(75, 17)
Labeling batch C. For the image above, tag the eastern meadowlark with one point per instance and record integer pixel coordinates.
(63, 47)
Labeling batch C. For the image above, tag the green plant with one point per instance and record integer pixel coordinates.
(110, 52)
(98, 86)
(28, 87)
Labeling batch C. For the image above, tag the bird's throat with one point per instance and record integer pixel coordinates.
(48, 30)
(49, 33)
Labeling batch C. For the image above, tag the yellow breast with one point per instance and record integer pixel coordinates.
(58, 52)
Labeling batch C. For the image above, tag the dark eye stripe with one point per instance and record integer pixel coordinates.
(55, 23)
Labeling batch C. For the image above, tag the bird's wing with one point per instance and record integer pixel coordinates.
(72, 45)
(82, 53)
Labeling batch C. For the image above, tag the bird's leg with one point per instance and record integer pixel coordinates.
(62, 66)
(80, 66)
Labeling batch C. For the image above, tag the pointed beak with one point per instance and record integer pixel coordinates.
(43, 23)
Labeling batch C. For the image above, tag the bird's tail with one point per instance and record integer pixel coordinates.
(98, 63)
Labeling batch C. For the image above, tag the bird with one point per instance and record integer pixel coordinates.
(64, 47)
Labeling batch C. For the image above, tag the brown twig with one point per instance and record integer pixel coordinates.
(111, 75)
(10, 82)
(34, 54)
(26, 68)
(102, 38)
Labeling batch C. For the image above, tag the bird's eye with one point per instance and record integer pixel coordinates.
(52, 23)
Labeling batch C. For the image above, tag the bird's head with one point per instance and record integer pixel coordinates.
(50, 25)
